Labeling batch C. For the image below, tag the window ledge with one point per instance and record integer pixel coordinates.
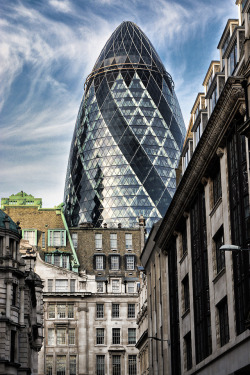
(183, 257)
(219, 275)
(217, 204)
(186, 313)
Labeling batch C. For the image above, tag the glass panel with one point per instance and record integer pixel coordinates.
(61, 285)
(113, 241)
(51, 336)
(128, 240)
(61, 365)
(51, 311)
(72, 365)
(71, 336)
(49, 365)
(70, 311)
(100, 365)
(131, 335)
(114, 262)
(61, 311)
(61, 336)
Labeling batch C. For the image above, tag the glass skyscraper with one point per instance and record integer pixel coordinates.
(127, 139)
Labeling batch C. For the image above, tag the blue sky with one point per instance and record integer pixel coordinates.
(48, 47)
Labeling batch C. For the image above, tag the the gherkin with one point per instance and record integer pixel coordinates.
(127, 138)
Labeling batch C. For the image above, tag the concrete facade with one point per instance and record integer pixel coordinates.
(198, 297)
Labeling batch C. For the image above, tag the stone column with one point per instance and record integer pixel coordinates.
(21, 315)
(83, 339)
(8, 283)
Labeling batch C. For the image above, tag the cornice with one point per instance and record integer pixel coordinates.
(211, 138)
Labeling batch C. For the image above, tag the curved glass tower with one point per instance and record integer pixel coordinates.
(127, 139)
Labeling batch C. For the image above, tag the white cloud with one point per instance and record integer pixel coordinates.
(61, 5)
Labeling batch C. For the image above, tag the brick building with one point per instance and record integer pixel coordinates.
(90, 278)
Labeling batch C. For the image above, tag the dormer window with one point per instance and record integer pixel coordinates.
(214, 98)
(198, 134)
(232, 61)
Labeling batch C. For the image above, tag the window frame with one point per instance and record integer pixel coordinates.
(131, 336)
(30, 230)
(131, 313)
(51, 240)
(116, 336)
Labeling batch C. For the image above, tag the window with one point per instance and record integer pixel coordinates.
(12, 345)
(217, 186)
(49, 365)
(98, 241)
(1, 246)
(72, 285)
(61, 311)
(99, 336)
(214, 99)
(131, 287)
(72, 365)
(223, 319)
(43, 240)
(100, 365)
(184, 238)
(131, 310)
(100, 310)
(51, 336)
(114, 262)
(115, 310)
(115, 286)
(65, 261)
(57, 238)
(202, 316)
(61, 285)
(51, 311)
(132, 367)
(188, 347)
(99, 262)
(113, 241)
(116, 339)
(220, 255)
(116, 365)
(61, 365)
(57, 260)
(99, 286)
(14, 294)
(75, 240)
(30, 235)
(50, 285)
(232, 59)
(131, 335)
(70, 311)
(48, 258)
(198, 134)
(61, 336)
(128, 240)
(71, 336)
(185, 284)
(130, 262)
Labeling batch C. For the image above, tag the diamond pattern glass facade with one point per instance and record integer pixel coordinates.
(127, 138)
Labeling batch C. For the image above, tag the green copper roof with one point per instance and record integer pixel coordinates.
(3, 217)
(21, 199)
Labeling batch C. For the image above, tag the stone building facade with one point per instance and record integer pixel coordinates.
(90, 310)
(21, 319)
(198, 296)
